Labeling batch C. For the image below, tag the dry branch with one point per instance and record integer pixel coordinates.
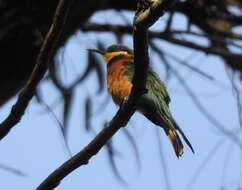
(44, 58)
(168, 36)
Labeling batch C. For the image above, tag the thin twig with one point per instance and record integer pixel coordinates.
(195, 69)
(128, 29)
(163, 161)
(44, 58)
(12, 170)
(60, 125)
(228, 155)
(237, 94)
(205, 161)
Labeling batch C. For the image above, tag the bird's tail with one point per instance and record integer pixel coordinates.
(175, 141)
(171, 128)
(184, 137)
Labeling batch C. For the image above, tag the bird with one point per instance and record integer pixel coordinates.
(154, 104)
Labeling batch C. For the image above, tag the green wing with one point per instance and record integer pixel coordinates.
(156, 98)
(158, 95)
(156, 88)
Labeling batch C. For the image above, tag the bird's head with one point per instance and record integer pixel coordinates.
(114, 51)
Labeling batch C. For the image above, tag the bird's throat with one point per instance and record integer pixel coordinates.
(110, 55)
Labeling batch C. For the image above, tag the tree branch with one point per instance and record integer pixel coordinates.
(44, 58)
(127, 108)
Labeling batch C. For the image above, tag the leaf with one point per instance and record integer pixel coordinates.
(67, 95)
(88, 105)
(12, 170)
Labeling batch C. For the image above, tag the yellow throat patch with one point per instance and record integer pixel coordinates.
(108, 56)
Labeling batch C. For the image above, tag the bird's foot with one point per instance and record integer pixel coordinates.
(124, 101)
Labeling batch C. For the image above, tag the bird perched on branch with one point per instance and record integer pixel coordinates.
(153, 104)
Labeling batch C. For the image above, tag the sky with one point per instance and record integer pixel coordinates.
(36, 147)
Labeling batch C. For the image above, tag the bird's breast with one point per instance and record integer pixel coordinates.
(118, 84)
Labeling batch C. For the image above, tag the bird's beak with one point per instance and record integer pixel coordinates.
(97, 51)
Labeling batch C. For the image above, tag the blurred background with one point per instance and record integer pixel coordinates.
(196, 49)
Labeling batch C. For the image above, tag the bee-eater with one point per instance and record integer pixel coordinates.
(153, 104)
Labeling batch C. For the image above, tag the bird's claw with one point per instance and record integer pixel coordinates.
(125, 100)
